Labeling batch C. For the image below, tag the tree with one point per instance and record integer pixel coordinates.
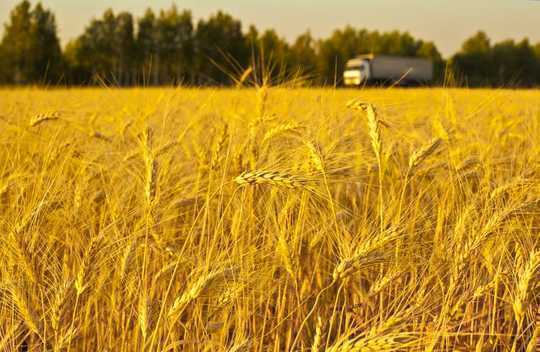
(252, 37)
(275, 56)
(334, 52)
(396, 43)
(477, 44)
(17, 42)
(474, 60)
(168, 48)
(429, 50)
(220, 48)
(78, 67)
(124, 45)
(106, 49)
(93, 52)
(175, 46)
(529, 75)
(303, 53)
(506, 63)
(4, 72)
(536, 50)
(147, 47)
(31, 46)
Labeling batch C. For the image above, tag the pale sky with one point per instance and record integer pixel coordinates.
(446, 22)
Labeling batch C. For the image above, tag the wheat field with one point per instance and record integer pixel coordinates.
(269, 219)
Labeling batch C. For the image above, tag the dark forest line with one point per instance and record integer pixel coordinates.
(169, 48)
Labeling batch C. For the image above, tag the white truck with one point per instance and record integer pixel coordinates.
(372, 68)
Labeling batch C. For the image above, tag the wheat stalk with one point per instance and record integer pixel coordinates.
(528, 275)
(100, 136)
(282, 249)
(315, 347)
(25, 308)
(232, 291)
(376, 144)
(66, 338)
(126, 260)
(416, 158)
(374, 132)
(363, 254)
(419, 155)
(150, 167)
(7, 336)
(506, 188)
(150, 179)
(247, 72)
(57, 305)
(384, 281)
(41, 118)
(262, 98)
(125, 128)
(164, 149)
(274, 178)
(193, 291)
(373, 125)
(82, 279)
(315, 156)
(288, 127)
(389, 342)
(143, 315)
(21, 257)
(218, 147)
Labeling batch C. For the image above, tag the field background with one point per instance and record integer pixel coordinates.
(269, 219)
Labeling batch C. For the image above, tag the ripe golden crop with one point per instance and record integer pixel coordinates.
(269, 219)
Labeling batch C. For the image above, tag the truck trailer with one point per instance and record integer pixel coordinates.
(366, 69)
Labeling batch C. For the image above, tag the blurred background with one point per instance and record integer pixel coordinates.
(124, 43)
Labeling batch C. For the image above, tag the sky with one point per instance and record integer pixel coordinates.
(446, 22)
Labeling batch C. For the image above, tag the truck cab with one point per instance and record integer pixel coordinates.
(356, 72)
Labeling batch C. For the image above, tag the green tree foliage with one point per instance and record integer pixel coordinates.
(219, 46)
(273, 54)
(30, 47)
(303, 55)
(147, 47)
(334, 52)
(515, 63)
(273, 47)
(4, 74)
(105, 50)
(168, 48)
(474, 60)
(503, 64)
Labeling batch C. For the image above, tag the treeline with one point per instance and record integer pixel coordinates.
(507, 63)
(168, 47)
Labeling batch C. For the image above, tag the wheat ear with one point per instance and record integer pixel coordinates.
(419, 155)
(193, 291)
(526, 277)
(315, 347)
(42, 118)
(376, 144)
(389, 342)
(25, 309)
(363, 253)
(274, 178)
(289, 127)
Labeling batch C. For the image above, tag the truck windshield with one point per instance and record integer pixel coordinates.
(360, 67)
(356, 67)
